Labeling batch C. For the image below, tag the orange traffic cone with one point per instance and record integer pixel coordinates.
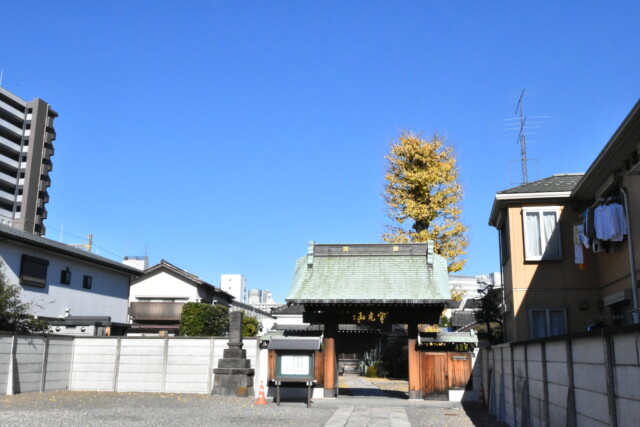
(261, 399)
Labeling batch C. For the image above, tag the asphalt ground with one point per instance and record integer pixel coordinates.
(66, 408)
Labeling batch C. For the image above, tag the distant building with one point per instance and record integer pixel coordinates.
(261, 299)
(260, 296)
(235, 285)
(139, 262)
(26, 148)
(473, 285)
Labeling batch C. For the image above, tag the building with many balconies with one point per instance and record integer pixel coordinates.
(26, 147)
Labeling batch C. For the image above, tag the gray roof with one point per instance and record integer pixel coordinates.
(373, 273)
(298, 343)
(556, 187)
(288, 309)
(20, 236)
(552, 184)
(463, 318)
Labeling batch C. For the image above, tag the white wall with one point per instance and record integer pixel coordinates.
(172, 365)
(164, 285)
(107, 297)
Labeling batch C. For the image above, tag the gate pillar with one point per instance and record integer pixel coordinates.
(415, 389)
(330, 386)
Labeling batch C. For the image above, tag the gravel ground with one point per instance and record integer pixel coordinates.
(65, 408)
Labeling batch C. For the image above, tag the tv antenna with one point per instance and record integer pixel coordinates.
(522, 139)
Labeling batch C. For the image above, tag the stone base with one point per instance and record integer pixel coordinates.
(329, 393)
(233, 382)
(415, 394)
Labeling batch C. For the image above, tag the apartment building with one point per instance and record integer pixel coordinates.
(568, 263)
(26, 148)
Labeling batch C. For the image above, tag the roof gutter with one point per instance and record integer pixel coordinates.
(494, 218)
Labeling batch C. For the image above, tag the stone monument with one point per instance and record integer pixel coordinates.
(234, 376)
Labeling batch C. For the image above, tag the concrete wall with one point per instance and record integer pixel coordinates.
(149, 364)
(29, 364)
(587, 379)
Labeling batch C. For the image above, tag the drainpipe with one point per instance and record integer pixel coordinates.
(632, 258)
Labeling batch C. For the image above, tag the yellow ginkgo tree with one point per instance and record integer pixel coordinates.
(423, 197)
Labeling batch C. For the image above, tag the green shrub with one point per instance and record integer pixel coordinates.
(250, 326)
(372, 372)
(381, 369)
(200, 319)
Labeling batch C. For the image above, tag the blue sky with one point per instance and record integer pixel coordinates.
(223, 136)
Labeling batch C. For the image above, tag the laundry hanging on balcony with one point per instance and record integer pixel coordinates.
(602, 225)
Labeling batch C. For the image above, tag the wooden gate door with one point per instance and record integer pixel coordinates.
(434, 376)
(459, 370)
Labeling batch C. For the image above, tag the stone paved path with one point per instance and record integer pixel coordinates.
(367, 416)
(357, 386)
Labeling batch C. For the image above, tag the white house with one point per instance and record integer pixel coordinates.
(157, 297)
(77, 292)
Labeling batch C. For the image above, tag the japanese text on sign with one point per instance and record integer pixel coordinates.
(294, 365)
(371, 317)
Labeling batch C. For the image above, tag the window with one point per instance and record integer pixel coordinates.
(33, 271)
(65, 276)
(86, 282)
(545, 322)
(541, 233)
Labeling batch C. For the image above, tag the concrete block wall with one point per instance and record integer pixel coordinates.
(627, 378)
(34, 364)
(557, 381)
(6, 345)
(587, 379)
(590, 381)
(58, 363)
(150, 364)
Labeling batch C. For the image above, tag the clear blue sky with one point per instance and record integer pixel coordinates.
(223, 136)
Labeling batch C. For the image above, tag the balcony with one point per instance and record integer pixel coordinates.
(155, 311)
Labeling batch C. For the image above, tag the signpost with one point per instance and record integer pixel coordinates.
(295, 362)
(294, 366)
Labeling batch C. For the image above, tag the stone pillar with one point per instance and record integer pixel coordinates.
(330, 329)
(234, 376)
(415, 389)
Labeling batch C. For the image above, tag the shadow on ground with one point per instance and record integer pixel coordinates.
(371, 392)
(480, 416)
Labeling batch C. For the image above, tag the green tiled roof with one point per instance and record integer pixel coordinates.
(370, 274)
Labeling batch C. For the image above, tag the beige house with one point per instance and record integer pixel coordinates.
(553, 283)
